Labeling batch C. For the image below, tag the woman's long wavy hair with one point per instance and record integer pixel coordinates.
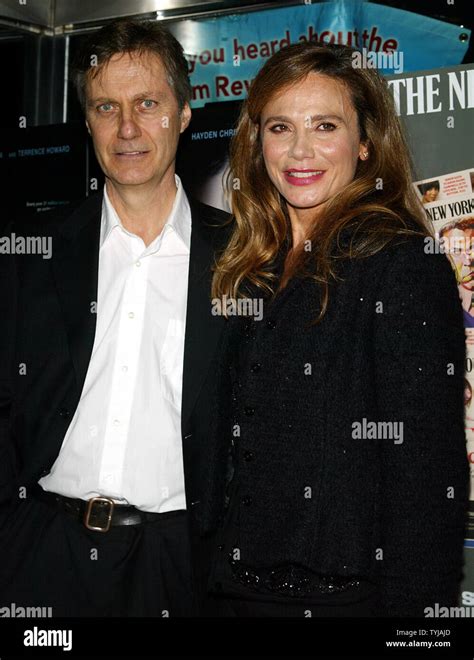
(374, 207)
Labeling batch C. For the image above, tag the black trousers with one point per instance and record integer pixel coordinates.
(50, 559)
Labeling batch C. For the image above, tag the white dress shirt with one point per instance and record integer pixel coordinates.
(124, 440)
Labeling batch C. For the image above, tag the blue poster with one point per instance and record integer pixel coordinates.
(225, 53)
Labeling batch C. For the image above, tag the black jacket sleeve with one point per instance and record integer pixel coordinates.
(419, 364)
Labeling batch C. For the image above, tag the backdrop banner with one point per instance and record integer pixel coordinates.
(225, 53)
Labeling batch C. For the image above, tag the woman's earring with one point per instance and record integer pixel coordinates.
(365, 154)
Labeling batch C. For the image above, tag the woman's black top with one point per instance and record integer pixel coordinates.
(347, 466)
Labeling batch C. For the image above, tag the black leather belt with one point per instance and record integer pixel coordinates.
(100, 513)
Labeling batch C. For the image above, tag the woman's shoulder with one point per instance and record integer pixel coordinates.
(408, 269)
(417, 254)
(415, 251)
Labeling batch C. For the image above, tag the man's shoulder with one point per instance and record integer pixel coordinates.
(208, 214)
(50, 221)
(214, 223)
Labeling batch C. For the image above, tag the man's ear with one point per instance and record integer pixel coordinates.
(88, 127)
(185, 117)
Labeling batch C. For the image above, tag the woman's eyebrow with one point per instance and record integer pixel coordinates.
(312, 117)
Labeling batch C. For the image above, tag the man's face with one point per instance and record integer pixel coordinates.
(133, 117)
(460, 244)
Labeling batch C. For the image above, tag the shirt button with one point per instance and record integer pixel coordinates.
(248, 456)
(131, 315)
(64, 412)
(256, 366)
(116, 422)
(249, 411)
(138, 263)
(271, 324)
(124, 368)
(247, 501)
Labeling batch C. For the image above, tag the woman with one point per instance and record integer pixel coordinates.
(342, 409)
(429, 192)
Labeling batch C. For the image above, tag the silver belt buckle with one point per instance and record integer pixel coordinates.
(88, 513)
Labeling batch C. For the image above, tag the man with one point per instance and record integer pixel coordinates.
(103, 431)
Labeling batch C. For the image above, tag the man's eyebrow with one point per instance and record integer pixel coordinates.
(312, 117)
(147, 94)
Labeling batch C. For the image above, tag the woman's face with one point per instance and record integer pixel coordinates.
(310, 140)
(431, 195)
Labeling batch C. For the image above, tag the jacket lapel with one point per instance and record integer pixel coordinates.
(202, 328)
(75, 265)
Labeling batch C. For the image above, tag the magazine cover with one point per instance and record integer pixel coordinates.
(448, 201)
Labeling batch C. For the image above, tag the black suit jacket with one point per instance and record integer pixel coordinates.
(47, 333)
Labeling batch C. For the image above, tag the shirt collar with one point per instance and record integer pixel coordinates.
(179, 218)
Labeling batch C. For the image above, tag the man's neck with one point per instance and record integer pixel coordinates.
(143, 210)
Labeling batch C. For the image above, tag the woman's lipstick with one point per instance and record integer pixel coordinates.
(302, 177)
